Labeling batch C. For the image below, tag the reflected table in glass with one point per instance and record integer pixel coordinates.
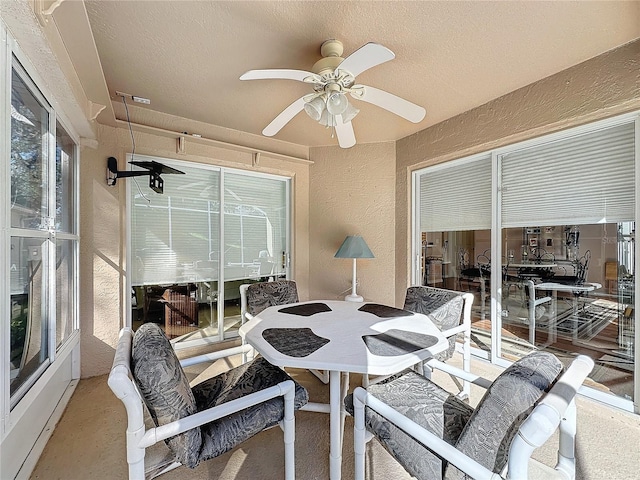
(575, 290)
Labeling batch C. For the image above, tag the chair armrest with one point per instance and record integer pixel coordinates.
(154, 435)
(551, 409)
(433, 442)
(540, 301)
(450, 332)
(210, 357)
(459, 373)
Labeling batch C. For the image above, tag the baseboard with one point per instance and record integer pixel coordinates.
(34, 455)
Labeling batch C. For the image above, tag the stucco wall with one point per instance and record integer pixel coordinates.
(103, 229)
(604, 86)
(352, 191)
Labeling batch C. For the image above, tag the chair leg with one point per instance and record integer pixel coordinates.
(344, 388)
(135, 454)
(289, 430)
(567, 442)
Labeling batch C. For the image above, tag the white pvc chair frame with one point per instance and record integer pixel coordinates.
(138, 439)
(556, 410)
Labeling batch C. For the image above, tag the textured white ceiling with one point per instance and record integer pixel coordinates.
(187, 56)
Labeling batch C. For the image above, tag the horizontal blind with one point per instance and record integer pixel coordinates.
(255, 221)
(457, 197)
(584, 179)
(176, 234)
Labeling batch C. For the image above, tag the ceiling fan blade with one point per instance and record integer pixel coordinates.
(344, 131)
(281, 120)
(282, 74)
(366, 57)
(401, 107)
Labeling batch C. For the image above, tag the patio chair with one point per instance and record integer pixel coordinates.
(255, 297)
(434, 435)
(450, 311)
(201, 422)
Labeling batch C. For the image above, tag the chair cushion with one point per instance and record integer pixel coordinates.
(225, 433)
(165, 389)
(444, 307)
(425, 403)
(505, 405)
(267, 294)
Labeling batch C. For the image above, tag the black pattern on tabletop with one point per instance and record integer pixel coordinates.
(294, 342)
(397, 342)
(384, 311)
(306, 310)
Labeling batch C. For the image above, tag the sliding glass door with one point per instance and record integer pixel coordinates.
(192, 247)
(453, 232)
(552, 260)
(567, 230)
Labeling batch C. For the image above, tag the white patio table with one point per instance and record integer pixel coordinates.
(342, 337)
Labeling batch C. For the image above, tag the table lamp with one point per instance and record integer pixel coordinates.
(354, 247)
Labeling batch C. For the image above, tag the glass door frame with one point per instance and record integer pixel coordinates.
(496, 250)
(221, 280)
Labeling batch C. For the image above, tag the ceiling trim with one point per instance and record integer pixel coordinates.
(182, 139)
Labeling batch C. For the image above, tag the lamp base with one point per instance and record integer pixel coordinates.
(354, 298)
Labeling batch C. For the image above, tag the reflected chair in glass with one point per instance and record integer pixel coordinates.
(200, 422)
(581, 270)
(435, 435)
(536, 309)
(477, 277)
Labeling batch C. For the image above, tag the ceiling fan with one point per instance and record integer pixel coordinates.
(332, 77)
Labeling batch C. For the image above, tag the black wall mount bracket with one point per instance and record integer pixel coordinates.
(153, 169)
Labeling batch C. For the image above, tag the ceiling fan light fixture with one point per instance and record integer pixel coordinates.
(327, 120)
(350, 113)
(337, 103)
(314, 108)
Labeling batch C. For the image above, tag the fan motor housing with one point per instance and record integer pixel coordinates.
(331, 51)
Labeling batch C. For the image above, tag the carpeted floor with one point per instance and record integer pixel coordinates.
(88, 443)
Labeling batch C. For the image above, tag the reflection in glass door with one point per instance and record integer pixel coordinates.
(550, 256)
(452, 236)
(255, 237)
(570, 289)
(181, 278)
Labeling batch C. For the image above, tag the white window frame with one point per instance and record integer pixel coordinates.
(16, 410)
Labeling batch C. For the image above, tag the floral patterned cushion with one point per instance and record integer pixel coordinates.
(425, 403)
(444, 307)
(166, 392)
(165, 389)
(267, 294)
(484, 434)
(224, 434)
(504, 406)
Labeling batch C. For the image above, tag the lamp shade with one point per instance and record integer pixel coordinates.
(314, 108)
(354, 246)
